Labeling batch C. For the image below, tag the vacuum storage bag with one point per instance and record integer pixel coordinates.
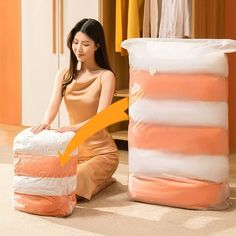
(41, 184)
(178, 129)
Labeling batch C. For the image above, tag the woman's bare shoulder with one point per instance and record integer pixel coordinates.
(107, 74)
(60, 74)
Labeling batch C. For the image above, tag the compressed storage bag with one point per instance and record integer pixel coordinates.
(178, 129)
(41, 184)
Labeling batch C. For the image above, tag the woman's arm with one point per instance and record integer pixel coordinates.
(54, 104)
(107, 91)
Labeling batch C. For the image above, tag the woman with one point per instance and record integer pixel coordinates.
(86, 91)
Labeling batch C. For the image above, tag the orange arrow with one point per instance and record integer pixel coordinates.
(111, 115)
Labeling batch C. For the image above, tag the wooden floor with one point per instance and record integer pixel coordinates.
(8, 132)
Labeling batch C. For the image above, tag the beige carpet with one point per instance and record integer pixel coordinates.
(111, 213)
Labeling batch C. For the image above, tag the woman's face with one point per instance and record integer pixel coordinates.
(83, 47)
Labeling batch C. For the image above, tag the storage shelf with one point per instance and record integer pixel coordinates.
(123, 157)
(121, 93)
(120, 135)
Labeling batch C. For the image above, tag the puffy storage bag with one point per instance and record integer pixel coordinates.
(178, 129)
(41, 184)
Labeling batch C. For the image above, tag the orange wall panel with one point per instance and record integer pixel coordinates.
(10, 62)
(230, 32)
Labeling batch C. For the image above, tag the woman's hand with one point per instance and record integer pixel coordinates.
(41, 126)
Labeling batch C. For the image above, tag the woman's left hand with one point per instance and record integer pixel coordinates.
(66, 128)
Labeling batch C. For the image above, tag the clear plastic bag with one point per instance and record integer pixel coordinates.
(178, 130)
(41, 184)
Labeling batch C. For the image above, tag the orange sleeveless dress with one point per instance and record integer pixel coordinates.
(97, 156)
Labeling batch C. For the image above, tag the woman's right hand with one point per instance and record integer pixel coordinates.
(41, 126)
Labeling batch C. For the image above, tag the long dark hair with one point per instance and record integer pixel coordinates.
(94, 30)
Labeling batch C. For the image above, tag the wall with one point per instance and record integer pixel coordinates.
(230, 32)
(10, 84)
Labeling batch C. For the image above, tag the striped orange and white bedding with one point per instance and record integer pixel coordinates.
(178, 129)
(41, 184)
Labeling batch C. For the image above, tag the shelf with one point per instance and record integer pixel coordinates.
(120, 135)
(121, 93)
(123, 157)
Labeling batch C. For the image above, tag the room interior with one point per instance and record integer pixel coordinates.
(110, 212)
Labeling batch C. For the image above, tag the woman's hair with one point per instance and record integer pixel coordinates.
(94, 30)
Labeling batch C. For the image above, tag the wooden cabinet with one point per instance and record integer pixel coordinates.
(120, 131)
(208, 18)
(119, 64)
(45, 26)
